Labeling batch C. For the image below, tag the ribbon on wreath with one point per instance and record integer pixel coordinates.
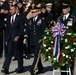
(58, 31)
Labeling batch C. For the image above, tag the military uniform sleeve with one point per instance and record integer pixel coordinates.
(74, 25)
(27, 32)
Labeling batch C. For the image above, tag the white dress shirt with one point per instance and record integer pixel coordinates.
(13, 16)
(65, 16)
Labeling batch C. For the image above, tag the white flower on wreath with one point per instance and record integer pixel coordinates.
(69, 57)
(44, 45)
(49, 57)
(66, 40)
(63, 54)
(54, 58)
(67, 47)
(49, 48)
(61, 38)
(66, 62)
(67, 27)
(74, 43)
(51, 41)
(69, 33)
(44, 37)
(63, 64)
(66, 56)
(74, 34)
(72, 50)
(47, 33)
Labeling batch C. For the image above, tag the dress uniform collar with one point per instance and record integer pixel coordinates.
(35, 18)
(67, 15)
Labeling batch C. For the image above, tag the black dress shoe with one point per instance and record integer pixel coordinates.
(5, 71)
(39, 72)
(31, 72)
(14, 59)
(0, 56)
(19, 71)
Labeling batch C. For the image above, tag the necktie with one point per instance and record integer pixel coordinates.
(64, 18)
(12, 22)
(33, 19)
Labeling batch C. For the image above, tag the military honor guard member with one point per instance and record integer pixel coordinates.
(36, 30)
(50, 15)
(68, 20)
(44, 16)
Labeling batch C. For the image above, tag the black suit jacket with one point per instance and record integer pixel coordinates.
(16, 30)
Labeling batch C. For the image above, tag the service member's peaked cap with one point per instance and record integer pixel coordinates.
(65, 4)
(2, 0)
(49, 5)
(35, 9)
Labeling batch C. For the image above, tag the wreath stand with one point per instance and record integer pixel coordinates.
(58, 70)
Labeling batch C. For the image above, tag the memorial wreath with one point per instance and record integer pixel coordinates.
(59, 45)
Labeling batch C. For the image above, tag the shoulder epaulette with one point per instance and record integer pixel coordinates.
(73, 18)
(43, 18)
(59, 18)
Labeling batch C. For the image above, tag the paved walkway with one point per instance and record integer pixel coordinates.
(27, 64)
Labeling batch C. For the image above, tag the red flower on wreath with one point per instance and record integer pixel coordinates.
(60, 59)
(49, 54)
(70, 30)
(68, 42)
(46, 58)
(60, 53)
(70, 60)
(46, 41)
(71, 39)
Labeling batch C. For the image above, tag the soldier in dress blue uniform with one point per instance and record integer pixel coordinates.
(36, 30)
(68, 20)
(44, 17)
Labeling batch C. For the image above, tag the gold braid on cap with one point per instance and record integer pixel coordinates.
(34, 10)
(65, 4)
(25, 36)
